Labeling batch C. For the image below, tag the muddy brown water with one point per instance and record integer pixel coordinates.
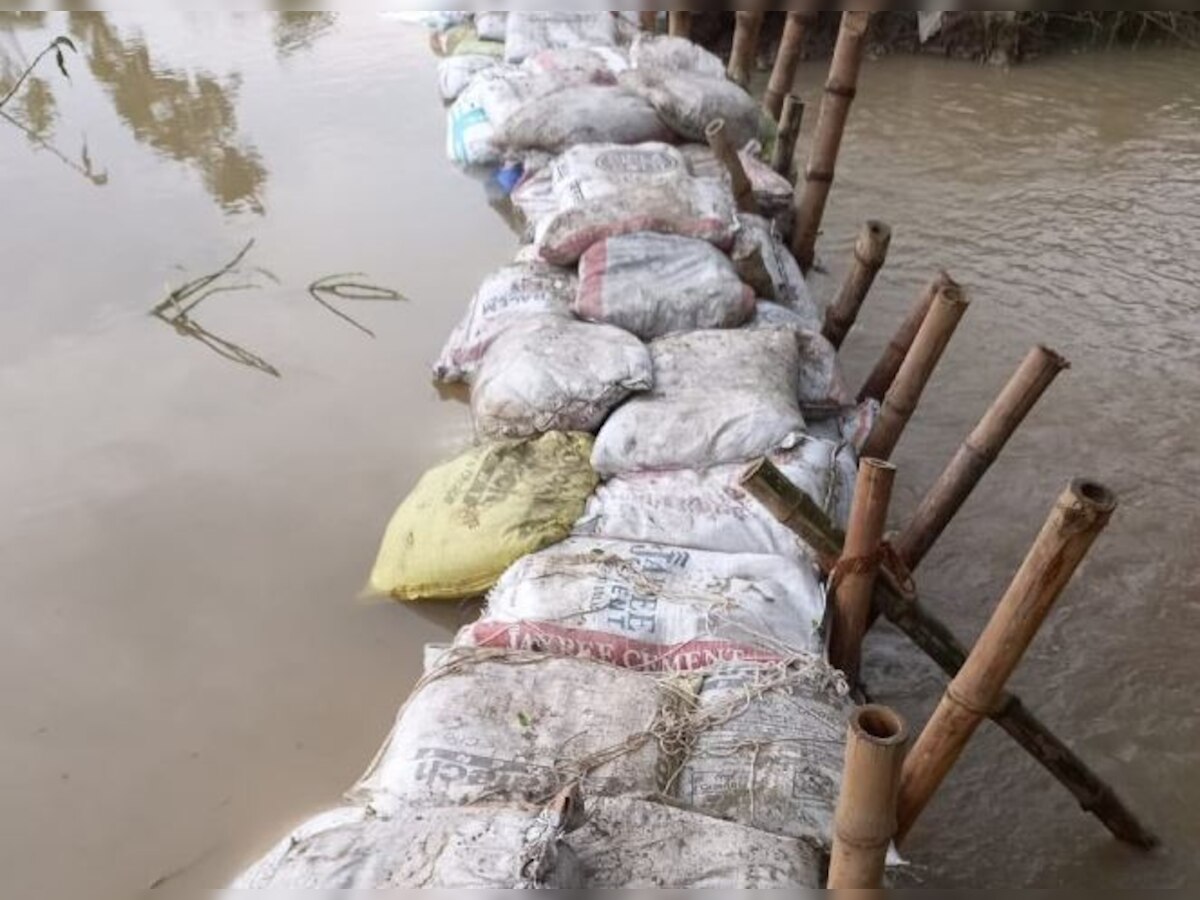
(187, 668)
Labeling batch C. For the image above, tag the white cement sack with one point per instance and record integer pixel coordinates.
(689, 102)
(657, 284)
(580, 115)
(764, 262)
(821, 387)
(719, 397)
(593, 65)
(496, 728)
(775, 762)
(531, 32)
(492, 26)
(708, 509)
(534, 199)
(551, 374)
(506, 297)
(662, 52)
(772, 192)
(852, 426)
(593, 171)
(455, 73)
(654, 608)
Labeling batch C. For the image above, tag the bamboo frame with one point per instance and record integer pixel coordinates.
(859, 565)
(787, 61)
(1080, 514)
(679, 23)
(870, 253)
(795, 509)
(648, 20)
(783, 156)
(840, 90)
(879, 382)
(865, 821)
(905, 393)
(977, 453)
(743, 190)
(746, 36)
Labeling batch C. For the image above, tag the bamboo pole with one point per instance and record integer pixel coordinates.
(1080, 515)
(870, 253)
(905, 393)
(745, 46)
(743, 190)
(679, 23)
(856, 570)
(783, 157)
(649, 20)
(880, 380)
(787, 60)
(831, 124)
(897, 599)
(865, 821)
(977, 453)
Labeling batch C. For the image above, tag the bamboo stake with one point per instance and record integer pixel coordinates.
(865, 821)
(855, 573)
(840, 90)
(783, 157)
(649, 21)
(897, 599)
(679, 23)
(879, 382)
(743, 190)
(901, 401)
(745, 46)
(787, 61)
(870, 253)
(977, 454)
(1076, 521)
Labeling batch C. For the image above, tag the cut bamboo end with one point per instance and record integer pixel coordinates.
(870, 253)
(865, 821)
(879, 382)
(794, 509)
(977, 454)
(747, 31)
(783, 157)
(787, 61)
(1077, 519)
(743, 190)
(947, 310)
(679, 23)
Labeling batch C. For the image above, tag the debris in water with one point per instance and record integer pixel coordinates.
(338, 286)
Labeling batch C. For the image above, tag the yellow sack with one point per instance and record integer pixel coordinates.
(468, 520)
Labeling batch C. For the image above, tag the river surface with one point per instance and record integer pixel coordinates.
(190, 508)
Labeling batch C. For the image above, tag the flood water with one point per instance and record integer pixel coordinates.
(190, 509)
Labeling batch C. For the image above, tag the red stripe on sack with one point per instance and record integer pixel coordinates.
(593, 266)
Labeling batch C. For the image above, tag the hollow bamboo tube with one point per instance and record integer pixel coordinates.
(795, 509)
(746, 34)
(831, 124)
(679, 23)
(783, 157)
(1080, 515)
(859, 565)
(880, 380)
(649, 20)
(870, 253)
(865, 821)
(905, 393)
(977, 453)
(787, 60)
(743, 190)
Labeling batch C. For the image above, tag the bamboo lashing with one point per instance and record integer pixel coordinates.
(783, 156)
(743, 190)
(880, 380)
(896, 597)
(977, 453)
(853, 578)
(1082, 512)
(870, 253)
(679, 23)
(787, 61)
(746, 33)
(865, 821)
(840, 90)
(905, 393)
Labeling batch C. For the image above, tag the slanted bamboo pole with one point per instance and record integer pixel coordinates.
(897, 599)
(1081, 513)
(743, 190)
(880, 380)
(783, 157)
(649, 20)
(977, 453)
(865, 821)
(831, 124)
(901, 401)
(856, 570)
(870, 253)
(787, 60)
(679, 23)
(745, 46)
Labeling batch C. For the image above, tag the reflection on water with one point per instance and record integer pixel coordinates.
(296, 31)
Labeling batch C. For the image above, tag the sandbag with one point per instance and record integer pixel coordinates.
(492, 26)
(455, 73)
(674, 54)
(591, 65)
(689, 102)
(719, 397)
(497, 728)
(652, 607)
(657, 284)
(469, 519)
(506, 297)
(548, 373)
(773, 194)
(579, 115)
(820, 385)
(531, 32)
(765, 263)
(708, 509)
